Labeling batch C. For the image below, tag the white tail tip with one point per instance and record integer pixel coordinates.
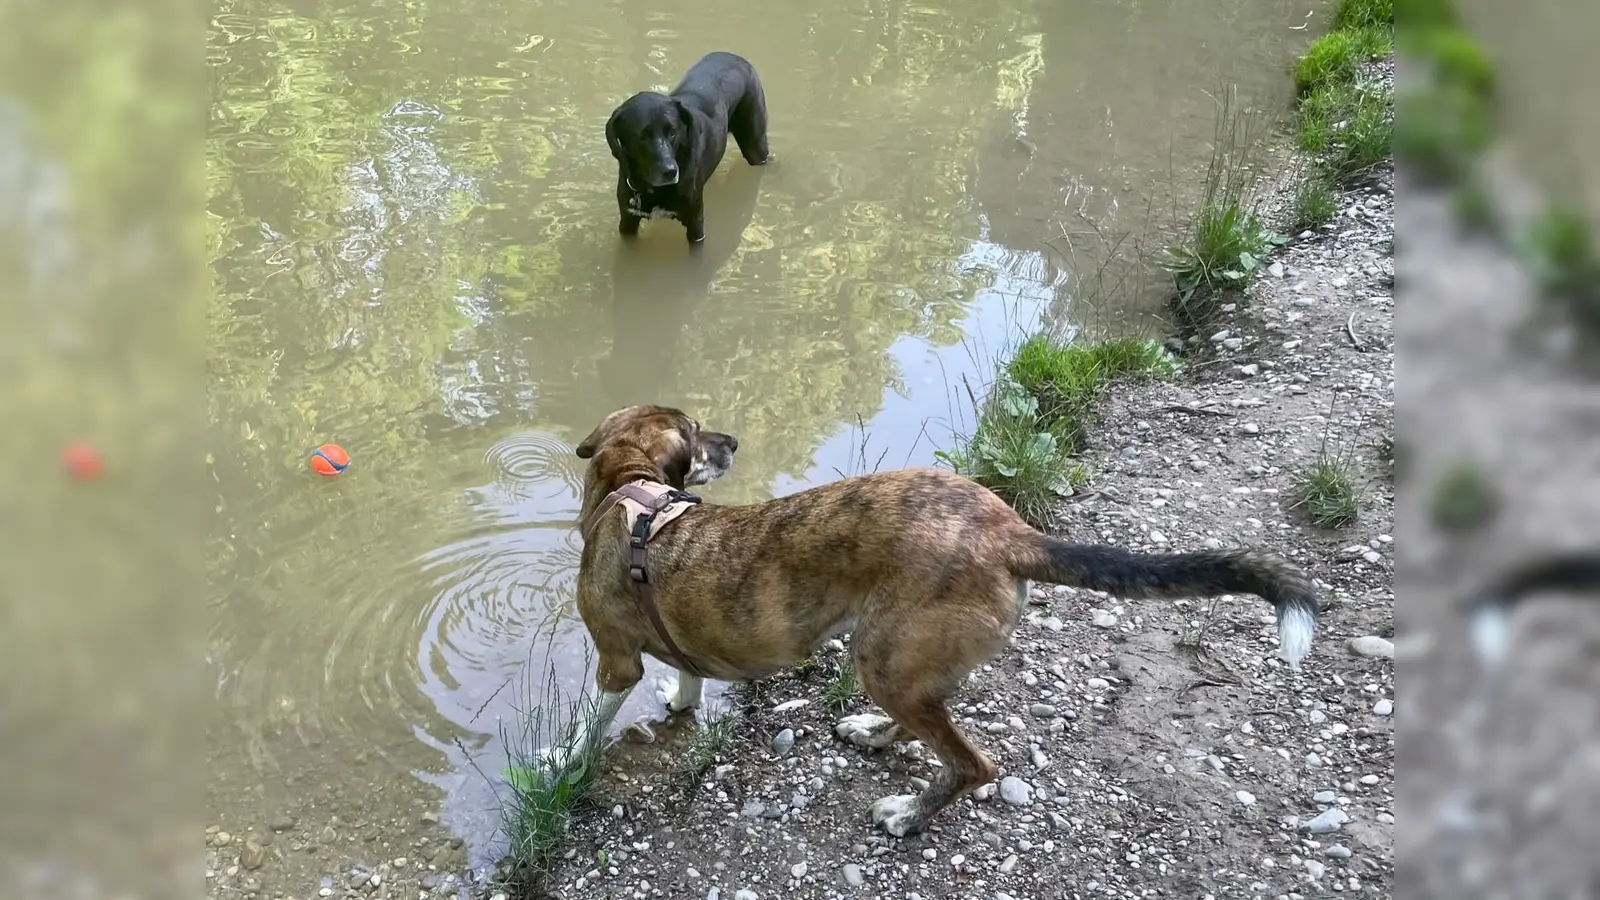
(1295, 628)
(1491, 633)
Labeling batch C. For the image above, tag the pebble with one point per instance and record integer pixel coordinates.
(1384, 707)
(1042, 710)
(1103, 619)
(1010, 865)
(798, 870)
(1245, 798)
(744, 894)
(1372, 647)
(783, 741)
(1016, 792)
(1326, 822)
(789, 705)
(1326, 798)
(1337, 851)
(852, 875)
(1097, 684)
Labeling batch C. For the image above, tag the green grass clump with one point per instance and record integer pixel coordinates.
(842, 688)
(1353, 14)
(543, 795)
(1559, 249)
(1336, 57)
(1033, 422)
(711, 736)
(1325, 489)
(1226, 238)
(1315, 201)
(1348, 127)
(1441, 129)
(1464, 499)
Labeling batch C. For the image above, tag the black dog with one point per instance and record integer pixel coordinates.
(667, 146)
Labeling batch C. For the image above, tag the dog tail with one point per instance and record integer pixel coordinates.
(1207, 573)
(1489, 610)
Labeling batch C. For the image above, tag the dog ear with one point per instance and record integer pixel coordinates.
(586, 449)
(611, 137)
(685, 118)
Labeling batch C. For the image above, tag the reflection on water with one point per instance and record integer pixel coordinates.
(415, 255)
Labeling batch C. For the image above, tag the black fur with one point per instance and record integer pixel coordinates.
(668, 145)
(1577, 571)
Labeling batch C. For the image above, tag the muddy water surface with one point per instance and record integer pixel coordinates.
(415, 256)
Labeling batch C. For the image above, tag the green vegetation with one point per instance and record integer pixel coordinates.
(1446, 108)
(1032, 422)
(711, 736)
(1325, 489)
(1315, 201)
(1464, 499)
(545, 789)
(1346, 121)
(1559, 249)
(842, 688)
(1226, 237)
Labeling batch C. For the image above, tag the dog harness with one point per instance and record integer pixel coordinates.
(647, 507)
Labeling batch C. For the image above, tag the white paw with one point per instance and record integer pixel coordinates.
(671, 691)
(867, 730)
(556, 758)
(897, 814)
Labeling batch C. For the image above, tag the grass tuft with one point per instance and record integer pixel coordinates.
(1464, 499)
(842, 688)
(1348, 127)
(1559, 249)
(711, 736)
(1326, 490)
(1336, 57)
(1034, 418)
(1353, 14)
(1226, 238)
(542, 797)
(1315, 201)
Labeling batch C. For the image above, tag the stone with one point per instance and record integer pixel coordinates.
(852, 875)
(1245, 798)
(1371, 646)
(783, 741)
(1384, 707)
(1326, 822)
(1016, 792)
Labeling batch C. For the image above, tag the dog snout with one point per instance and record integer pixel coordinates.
(669, 176)
(733, 444)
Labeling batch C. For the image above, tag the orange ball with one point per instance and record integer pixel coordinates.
(329, 459)
(82, 460)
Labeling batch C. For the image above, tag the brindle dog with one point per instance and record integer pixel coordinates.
(928, 570)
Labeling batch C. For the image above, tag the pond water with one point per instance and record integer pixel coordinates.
(415, 256)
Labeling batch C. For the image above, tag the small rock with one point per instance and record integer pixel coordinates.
(1315, 869)
(639, 733)
(930, 854)
(1042, 710)
(1326, 822)
(1053, 624)
(429, 819)
(1233, 343)
(852, 875)
(283, 823)
(744, 894)
(1015, 791)
(984, 792)
(1372, 647)
(1103, 619)
(1326, 798)
(783, 741)
(1337, 851)
(798, 870)
(1384, 707)
(789, 705)
(1275, 270)
(1245, 798)
(1097, 684)
(253, 856)
(1250, 428)
(1251, 370)
(1010, 865)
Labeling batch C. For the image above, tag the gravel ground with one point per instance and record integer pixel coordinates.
(1145, 748)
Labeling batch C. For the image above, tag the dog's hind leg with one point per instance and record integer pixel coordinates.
(911, 669)
(747, 122)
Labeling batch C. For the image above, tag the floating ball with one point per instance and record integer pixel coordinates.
(329, 459)
(82, 460)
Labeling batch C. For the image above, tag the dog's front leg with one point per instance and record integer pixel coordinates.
(684, 694)
(694, 222)
(615, 680)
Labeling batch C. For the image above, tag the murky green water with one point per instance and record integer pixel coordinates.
(415, 256)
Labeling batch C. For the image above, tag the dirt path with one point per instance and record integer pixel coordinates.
(1130, 765)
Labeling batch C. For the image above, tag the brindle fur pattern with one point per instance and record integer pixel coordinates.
(927, 569)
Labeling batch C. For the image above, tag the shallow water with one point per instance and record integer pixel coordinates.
(415, 256)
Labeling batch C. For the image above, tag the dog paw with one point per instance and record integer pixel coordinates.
(898, 815)
(671, 692)
(867, 730)
(556, 759)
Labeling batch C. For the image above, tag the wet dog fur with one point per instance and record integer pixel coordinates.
(668, 145)
(928, 570)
